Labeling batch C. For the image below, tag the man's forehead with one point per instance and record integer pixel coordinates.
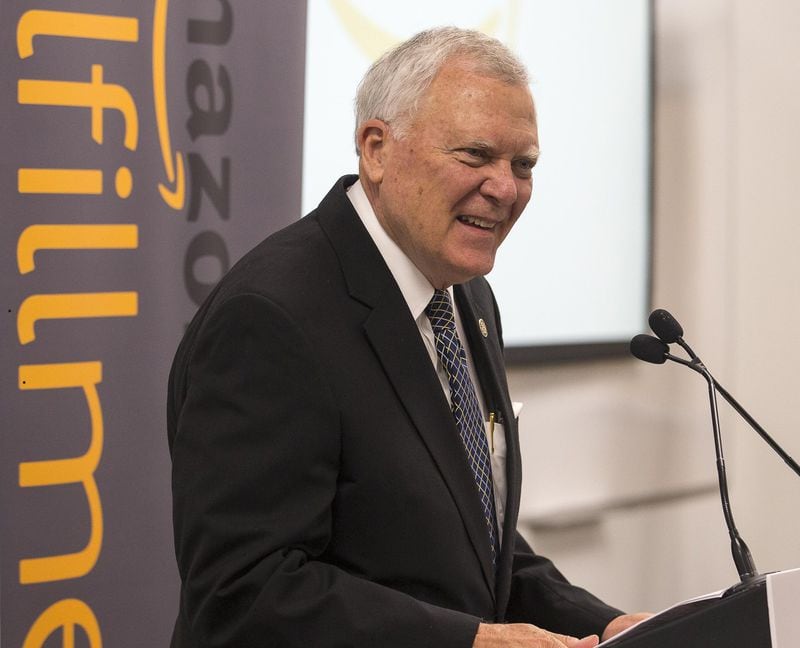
(465, 74)
(470, 93)
(493, 132)
(467, 107)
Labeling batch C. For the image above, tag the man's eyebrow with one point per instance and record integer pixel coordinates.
(484, 145)
(479, 144)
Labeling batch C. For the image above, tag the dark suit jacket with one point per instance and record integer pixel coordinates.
(321, 492)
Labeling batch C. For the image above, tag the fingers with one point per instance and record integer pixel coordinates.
(623, 622)
(522, 635)
(553, 640)
(587, 642)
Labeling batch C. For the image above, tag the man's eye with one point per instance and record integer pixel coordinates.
(524, 166)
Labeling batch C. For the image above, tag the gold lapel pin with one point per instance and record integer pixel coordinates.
(482, 327)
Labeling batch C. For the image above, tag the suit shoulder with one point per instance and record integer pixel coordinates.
(297, 252)
(285, 269)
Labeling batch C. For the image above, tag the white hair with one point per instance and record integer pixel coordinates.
(394, 85)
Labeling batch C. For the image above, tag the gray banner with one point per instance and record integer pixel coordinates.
(143, 148)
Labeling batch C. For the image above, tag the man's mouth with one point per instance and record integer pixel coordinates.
(480, 223)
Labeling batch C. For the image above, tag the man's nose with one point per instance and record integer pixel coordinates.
(501, 183)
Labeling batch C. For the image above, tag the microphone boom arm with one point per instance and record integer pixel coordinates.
(759, 430)
(740, 410)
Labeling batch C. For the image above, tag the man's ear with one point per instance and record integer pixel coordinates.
(373, 142)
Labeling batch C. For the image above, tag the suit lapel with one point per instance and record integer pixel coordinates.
(475, 304)
(396, 341)
(409, 368)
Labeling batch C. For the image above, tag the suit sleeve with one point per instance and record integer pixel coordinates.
(255, 450)
(541, 595)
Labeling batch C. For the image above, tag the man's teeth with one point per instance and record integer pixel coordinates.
(478, 222)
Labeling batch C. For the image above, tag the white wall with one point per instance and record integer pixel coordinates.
(767, 272)
(619, 467)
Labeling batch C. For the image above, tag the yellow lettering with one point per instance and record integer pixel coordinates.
(85, 375)
(60, 181)
(73, 237)
(70, 24)
(87, 182)
(65, 614)
(95, 95)
(73, 305)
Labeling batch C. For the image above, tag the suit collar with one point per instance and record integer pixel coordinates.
(417, 290)
(364, 270)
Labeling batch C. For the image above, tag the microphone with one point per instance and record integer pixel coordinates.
(656, 351)
(652, 350)
(666, 327)
(649, 349)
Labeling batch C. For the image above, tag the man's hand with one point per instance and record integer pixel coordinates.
(522, 635)
(623, 622)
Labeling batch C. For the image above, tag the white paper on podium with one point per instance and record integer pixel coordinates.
(783, 596)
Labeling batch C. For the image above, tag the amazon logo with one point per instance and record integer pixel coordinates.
(173, 192)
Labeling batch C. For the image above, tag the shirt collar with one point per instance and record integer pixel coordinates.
(416, 289)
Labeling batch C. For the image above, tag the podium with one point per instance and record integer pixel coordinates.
(764, 613)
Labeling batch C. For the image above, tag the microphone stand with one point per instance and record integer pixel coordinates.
(748, 574)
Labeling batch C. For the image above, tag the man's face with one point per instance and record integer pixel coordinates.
(450, 191)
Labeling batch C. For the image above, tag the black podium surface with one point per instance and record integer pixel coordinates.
(737, 619)
(760, 614)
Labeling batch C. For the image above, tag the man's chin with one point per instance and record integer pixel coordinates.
(464, 273)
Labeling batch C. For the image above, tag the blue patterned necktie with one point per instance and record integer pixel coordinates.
(464, 403)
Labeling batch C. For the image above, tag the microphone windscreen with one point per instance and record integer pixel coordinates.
(649, 349)
(665, 326)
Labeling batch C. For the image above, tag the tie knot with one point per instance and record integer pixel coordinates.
(440, 310)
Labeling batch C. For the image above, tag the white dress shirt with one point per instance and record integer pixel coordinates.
(417, 292)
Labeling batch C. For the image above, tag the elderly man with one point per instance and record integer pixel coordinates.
(345, 453)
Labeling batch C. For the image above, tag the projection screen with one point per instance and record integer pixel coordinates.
(573, 278)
